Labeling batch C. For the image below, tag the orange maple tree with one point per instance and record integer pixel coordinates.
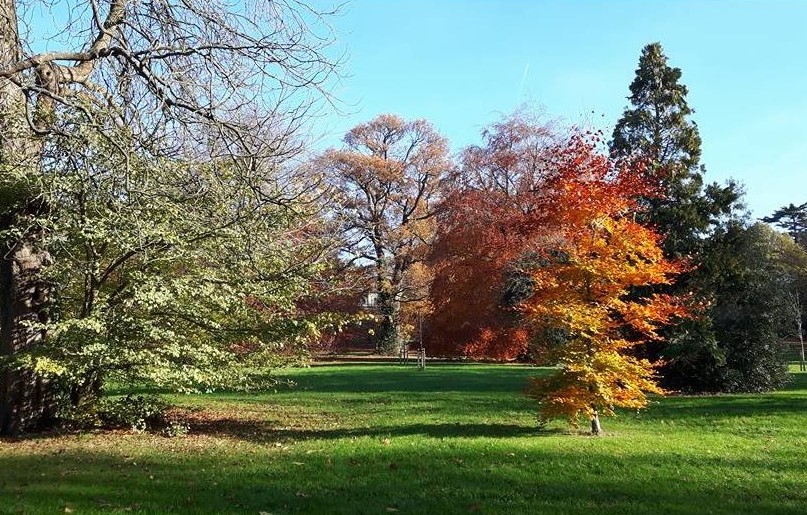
(586, 268)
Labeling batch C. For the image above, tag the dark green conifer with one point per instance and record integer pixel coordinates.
(657, 126)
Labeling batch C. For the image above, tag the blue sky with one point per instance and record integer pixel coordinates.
(460, 64)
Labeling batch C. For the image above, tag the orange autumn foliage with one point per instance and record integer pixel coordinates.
(590, 263)
(568, 230)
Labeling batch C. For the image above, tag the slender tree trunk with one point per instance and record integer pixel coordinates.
(596, 429)
(88, 390)
(26, 400)
(800, 329)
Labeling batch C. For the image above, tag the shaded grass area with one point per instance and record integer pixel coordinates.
(448, 439)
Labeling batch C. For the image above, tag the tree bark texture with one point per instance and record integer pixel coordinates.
(25, 399)
(596, 428)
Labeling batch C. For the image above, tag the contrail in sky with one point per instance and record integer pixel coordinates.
(523, 80)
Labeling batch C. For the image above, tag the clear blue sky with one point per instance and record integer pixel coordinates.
(460, 64)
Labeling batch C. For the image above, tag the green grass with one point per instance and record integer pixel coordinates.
(449, 439)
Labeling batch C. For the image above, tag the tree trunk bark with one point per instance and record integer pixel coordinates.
(596, 429)
(26, 400)
(799, 328)
(389, 334)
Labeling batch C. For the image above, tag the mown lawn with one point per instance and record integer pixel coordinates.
(449, 439)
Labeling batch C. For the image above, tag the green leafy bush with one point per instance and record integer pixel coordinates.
(138, 412)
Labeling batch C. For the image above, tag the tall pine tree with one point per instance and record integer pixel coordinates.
(657, 126)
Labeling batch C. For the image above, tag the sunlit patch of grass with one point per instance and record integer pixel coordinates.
(448, 439)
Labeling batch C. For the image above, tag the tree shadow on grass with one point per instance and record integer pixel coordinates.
(257, 431)
(798, 381)
(723, 407)
(362, 480)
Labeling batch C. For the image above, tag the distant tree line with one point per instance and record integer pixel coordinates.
(499, 221)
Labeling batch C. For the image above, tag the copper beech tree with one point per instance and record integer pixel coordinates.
(387, 180)
(471, 313)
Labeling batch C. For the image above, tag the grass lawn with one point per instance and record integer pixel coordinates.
(382, 439)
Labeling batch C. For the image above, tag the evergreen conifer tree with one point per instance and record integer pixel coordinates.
(793, 219)
(657, 126)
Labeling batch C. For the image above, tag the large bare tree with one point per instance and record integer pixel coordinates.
(182, 78)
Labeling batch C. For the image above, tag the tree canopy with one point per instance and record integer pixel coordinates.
(388, 180)
(591, 257)
(161, 107)
(476, 282)
(657, 126)
(793, 219)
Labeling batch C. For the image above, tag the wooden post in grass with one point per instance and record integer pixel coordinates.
(802, 364)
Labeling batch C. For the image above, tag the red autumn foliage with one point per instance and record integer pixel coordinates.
(478, 240)
(543, 247)
(469, 259)
(522, 182)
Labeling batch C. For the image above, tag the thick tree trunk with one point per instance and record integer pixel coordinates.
(389, 334)
(25, 399)
(388, 284)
